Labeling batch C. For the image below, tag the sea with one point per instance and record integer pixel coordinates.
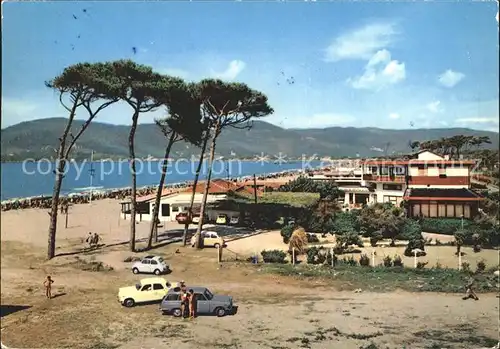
(29, 179)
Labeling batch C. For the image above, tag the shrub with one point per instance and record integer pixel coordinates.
(273, 256)
(286, 233)
(465, 267)
(331, 259)
(421, 265)
(364, 260)
(376, 237)
(387, 261)
(416, 242)
(410, 229)
(312, 238)
(350, 261)
(349, 238)
(446, 226)
(397, 261)
(480, 267)
(315, 255)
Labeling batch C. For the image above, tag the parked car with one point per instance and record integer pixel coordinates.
(208, 303)
(234, 220)
(196, 218)
(221, 219)
(182, 218)
(151, 265)
(210, 238)
(147, 290)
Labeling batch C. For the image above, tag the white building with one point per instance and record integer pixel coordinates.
(171, 204)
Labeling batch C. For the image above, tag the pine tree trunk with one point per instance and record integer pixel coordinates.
(133, 200)
(61, 164)
(153, 230)
(51, 251)
(199, 240)
(195, 183)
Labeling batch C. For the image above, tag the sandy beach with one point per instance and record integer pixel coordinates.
(280, 313)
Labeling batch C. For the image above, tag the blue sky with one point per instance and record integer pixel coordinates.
(364, 64)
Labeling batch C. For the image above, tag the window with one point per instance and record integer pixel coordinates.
(200, 297)
(146, 288)
(173, 297)
(392, 199)
(165, 210)
(154, 262)
(442, 175)
(158, 287)
(208, 294)
(384, 171)
(175, 208)
(160, 260)
(146, 261)
(397, 187)
(450, 210)
(143, 208)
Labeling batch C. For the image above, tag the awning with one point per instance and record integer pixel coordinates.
(433, 194)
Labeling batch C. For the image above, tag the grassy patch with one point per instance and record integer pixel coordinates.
(86, 265)
(290, 198)
(383, 279)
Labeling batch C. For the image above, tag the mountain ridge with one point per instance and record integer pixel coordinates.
(39, 138)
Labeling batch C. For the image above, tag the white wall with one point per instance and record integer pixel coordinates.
(427, 155)
(380, 192)
(182, 200)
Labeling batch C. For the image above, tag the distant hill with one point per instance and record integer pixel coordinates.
(37, 139)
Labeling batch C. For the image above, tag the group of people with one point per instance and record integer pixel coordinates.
(93, 240)
(188, 302)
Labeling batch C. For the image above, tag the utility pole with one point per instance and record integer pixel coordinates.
(254, 188)
(91, 171)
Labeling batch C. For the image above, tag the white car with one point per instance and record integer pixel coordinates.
(151, 265)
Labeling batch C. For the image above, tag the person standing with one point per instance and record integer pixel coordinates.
(48, 286)
(469, 292)
(192, 304)
(184, 303)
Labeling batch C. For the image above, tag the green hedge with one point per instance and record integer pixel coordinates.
(446, 226)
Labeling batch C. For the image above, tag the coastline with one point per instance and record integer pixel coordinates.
(77, 197)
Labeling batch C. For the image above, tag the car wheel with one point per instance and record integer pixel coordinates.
(177, 312)
(157, 272)
(129, 302)
(135, 271)
(220, 312)
(217, 246)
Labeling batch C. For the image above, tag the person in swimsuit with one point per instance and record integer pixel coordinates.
(48, 286)
(192, 304)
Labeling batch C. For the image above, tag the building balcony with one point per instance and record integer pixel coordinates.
(387, 178)
(438, 180)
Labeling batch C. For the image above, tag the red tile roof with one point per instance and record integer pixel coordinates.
(217, 186)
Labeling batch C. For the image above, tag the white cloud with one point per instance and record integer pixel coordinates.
(434, 107)
(394, 116)
(450, 78)
(478, 120)
(380, 71)
(361, 43)
(234, 68)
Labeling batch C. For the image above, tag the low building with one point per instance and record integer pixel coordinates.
(172, 203)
